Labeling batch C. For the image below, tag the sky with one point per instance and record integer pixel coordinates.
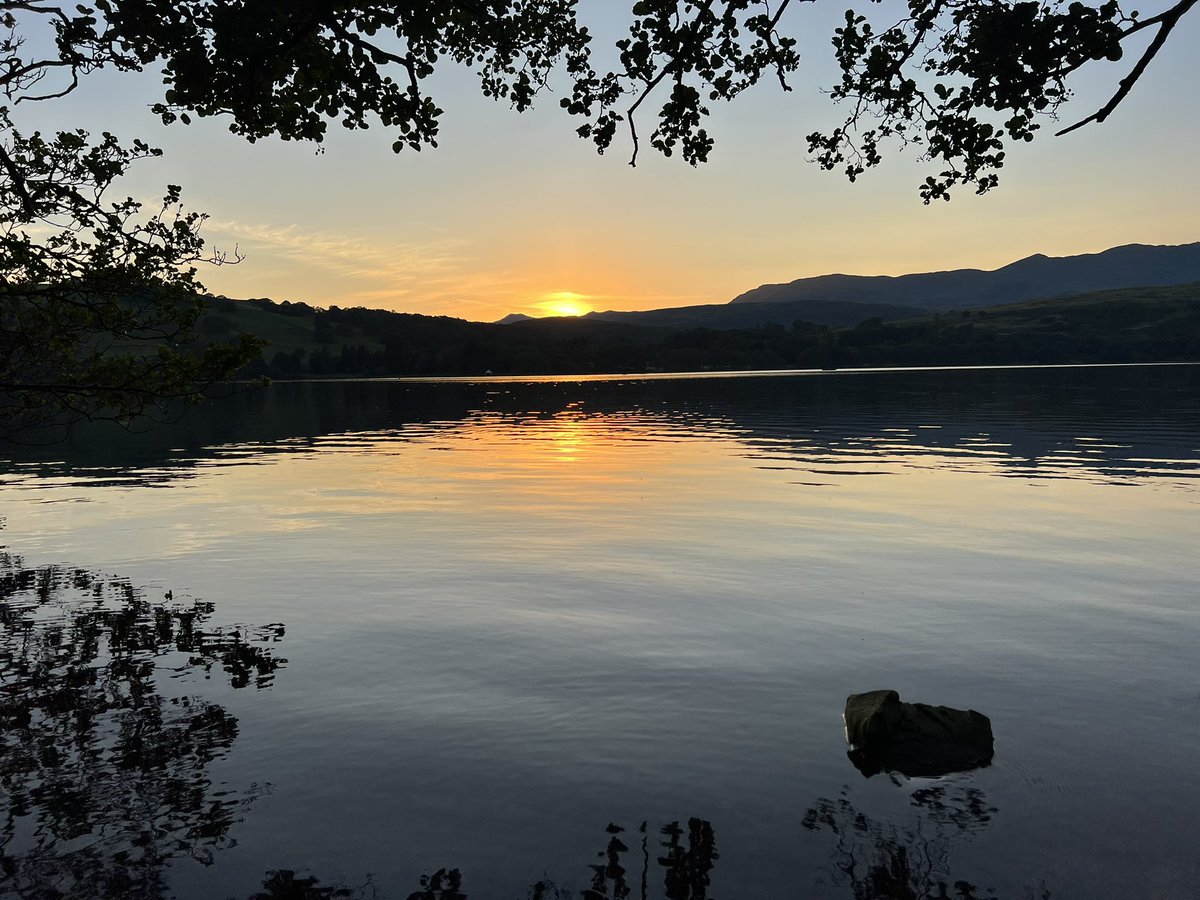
(514, 213)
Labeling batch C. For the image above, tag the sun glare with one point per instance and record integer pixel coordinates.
(564, 303)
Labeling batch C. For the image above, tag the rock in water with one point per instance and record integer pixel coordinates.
(914, 739)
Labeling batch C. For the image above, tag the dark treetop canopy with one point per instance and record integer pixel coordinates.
(956, 77)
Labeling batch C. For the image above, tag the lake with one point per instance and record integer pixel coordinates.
(592, 638)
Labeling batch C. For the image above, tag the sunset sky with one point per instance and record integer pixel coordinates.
(514, 213)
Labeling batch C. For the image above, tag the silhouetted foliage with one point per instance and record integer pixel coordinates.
(955, 77)
(98, 300)
(104, 778)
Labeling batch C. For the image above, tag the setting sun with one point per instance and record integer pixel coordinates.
(564, 303)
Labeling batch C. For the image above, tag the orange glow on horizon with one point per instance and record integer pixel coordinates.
(564, 303)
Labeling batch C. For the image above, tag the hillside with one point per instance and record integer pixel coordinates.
(1131, 325)
(1156, 324)
(752, 315)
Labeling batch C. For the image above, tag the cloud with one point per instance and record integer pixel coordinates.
(349, 256)
(438, 274)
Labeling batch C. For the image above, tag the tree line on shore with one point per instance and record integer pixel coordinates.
(1158, 325)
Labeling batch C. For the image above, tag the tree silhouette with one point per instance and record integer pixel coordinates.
(98, 299)
(278, 67)
(104, 778)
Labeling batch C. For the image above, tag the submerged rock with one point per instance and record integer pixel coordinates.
(914, 739)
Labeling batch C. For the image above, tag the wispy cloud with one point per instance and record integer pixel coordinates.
(349, 256)
(439, 274)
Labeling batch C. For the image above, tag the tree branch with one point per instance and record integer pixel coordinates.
(770, 39)
(18, 183)
(1166, 22)
(650, 86)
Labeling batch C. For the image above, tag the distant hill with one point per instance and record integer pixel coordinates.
(1128, 325)
(752, 315)
(512, 318)
(1037, 277)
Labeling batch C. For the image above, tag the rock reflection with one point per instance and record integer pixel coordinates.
(877, 860)
(104, 755)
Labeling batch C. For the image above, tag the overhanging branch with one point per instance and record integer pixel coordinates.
(1166, 22)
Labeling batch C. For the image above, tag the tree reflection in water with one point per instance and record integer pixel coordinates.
(884, 861)
(284, 884)
(686, 858)
(103, 761)
(686, 869)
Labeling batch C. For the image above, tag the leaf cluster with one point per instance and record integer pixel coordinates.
(290, 69)
(959, 78)
(956, 78)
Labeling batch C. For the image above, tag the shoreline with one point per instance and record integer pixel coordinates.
(696, 375)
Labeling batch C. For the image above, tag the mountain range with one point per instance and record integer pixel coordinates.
(1033, 278)
(849, 299)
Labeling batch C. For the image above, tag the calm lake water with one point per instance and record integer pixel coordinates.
(592, 639)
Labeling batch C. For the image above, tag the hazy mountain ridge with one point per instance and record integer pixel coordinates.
(839, 300)
(1033, 278)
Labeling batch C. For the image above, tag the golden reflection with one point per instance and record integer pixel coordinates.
(508, 487)
(570, 435)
